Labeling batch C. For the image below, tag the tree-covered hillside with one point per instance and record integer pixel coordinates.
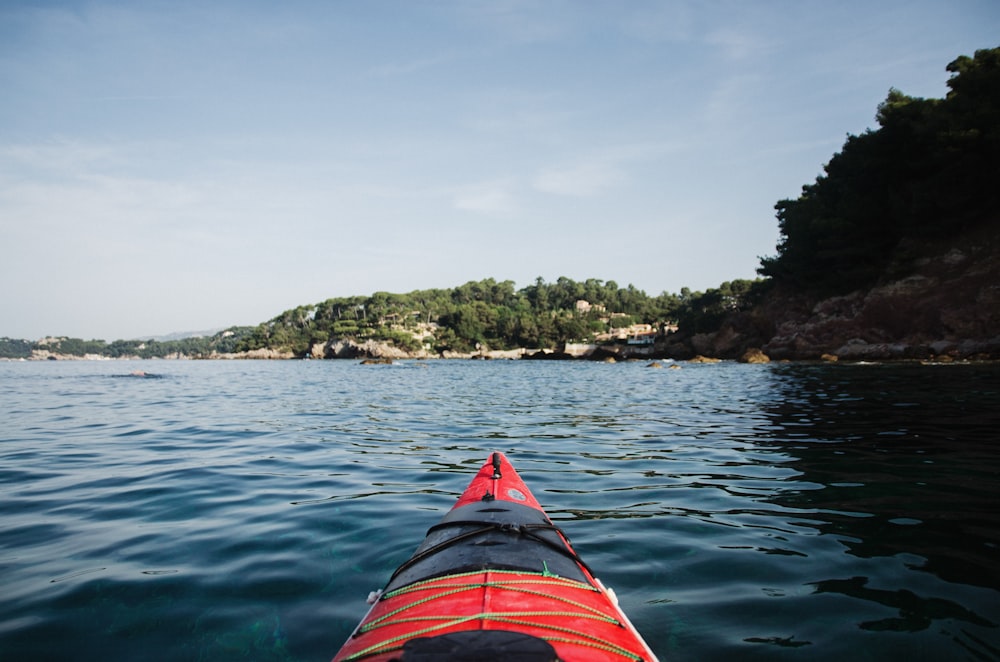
(220, 343)
(477, 314)
(930, 171)
(495, 314)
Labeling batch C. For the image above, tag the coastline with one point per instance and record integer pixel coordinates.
(673, 348)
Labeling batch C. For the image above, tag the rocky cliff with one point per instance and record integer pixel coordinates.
(346, 348)
(937, 302)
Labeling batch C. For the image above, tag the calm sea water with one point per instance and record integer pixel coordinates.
(244, 510)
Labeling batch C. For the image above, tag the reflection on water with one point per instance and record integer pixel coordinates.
(245, 510)
(916, 457)
(915, 613)
(904, 461)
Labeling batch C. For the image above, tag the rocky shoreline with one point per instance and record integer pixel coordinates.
(944, 306)
(668, 349)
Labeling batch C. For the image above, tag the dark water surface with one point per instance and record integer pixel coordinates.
(244, 510)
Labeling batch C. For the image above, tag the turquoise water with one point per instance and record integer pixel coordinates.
(244, 510)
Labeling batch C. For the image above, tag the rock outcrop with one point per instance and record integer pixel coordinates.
(345, 348)
(950, 306)
(754, 355)
(943, 304)
(263, 353)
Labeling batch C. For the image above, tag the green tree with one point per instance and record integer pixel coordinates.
(928, 171)
(12, 348)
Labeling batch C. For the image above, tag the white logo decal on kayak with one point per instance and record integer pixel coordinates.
(517, 495)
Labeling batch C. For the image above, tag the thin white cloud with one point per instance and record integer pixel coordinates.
(81, 177)
(523, 21)
(407, 67)
(737, 44)
(661, 22)
(56, 157)
(599, 172)
(584, 179)
(730, 98)
(489, 197)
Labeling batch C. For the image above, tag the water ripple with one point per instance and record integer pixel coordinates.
(244, 510)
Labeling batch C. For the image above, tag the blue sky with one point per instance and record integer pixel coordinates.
(171, 166)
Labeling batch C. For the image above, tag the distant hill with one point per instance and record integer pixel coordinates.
(222, 342)
(181, 335)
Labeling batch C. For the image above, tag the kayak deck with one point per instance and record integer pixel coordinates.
(495, 565)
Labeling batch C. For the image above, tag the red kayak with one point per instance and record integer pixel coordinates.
(495, 580)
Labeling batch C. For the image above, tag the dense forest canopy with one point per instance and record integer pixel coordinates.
(929, 171)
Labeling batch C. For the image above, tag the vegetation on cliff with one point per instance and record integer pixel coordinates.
(930, 171)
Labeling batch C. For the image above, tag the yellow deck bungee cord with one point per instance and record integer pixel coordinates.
(561, 634)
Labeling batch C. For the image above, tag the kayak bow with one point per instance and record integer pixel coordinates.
(495, 580)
